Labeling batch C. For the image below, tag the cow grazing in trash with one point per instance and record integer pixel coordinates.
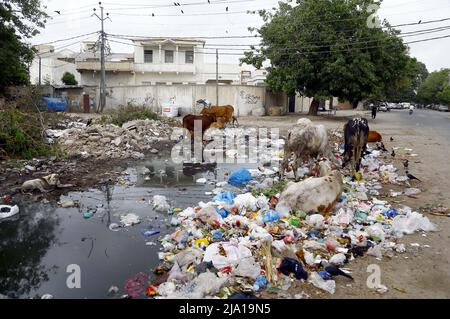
(356, 133)
(189, 123)
(314, 194)
(304, 140)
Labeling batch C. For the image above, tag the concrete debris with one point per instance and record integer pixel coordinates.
(109, 141)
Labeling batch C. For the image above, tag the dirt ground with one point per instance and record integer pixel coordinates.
(421, 272)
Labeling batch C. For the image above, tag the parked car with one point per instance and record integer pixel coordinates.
(49, 104)
(383, 107)
(443, 108)
(392, 106)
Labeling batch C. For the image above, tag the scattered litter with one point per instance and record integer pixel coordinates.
(129, 220)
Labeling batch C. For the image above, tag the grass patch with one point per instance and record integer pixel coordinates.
(128, 113)
(271, 191)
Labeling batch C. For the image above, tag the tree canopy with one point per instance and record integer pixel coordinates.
(322, 48)
(436, 88)
(19, 20)
(407, 87)
(69, 79)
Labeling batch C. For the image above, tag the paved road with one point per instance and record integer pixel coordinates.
(437, 122)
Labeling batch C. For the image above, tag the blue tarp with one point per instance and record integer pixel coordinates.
(54, 105)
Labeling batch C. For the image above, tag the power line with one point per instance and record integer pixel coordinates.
(67, 39)
(313, 52)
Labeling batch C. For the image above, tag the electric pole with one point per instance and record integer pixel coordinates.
(39, 69)
(217, 77)
(102, 19)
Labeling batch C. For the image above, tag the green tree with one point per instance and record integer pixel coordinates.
(322, 48)
(19, 20)
(407, 87)
(69, 79)
(434, 88)
(444, 95)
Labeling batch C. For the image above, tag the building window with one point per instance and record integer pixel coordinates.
(168, 58)
(189, 57)
(148, 56)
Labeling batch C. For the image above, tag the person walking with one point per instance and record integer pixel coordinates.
(374, 111)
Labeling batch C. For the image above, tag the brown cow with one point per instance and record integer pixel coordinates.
(374, 137)
(189, 122)
(224, 113)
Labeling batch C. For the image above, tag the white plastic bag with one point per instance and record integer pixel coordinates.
(327, 285)
(411, 222)
(315, 220)
(8, 211)
(234, 254)
(247, 267)
(160, 203)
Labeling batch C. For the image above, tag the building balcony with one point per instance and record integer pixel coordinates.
(122, 66)
(164, 68)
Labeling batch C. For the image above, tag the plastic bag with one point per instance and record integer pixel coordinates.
(326, 285)
(248, 267)
(247, 201)
(271, 216)
(315, 220)
(411, 222)
(8, 211)
(240, 177)
(234, 254)
(160, 203)
(376, 231)
(209, 215)
(338, 259)
(226, 197)
(129, 220)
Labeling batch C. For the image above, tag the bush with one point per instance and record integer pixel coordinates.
(21, 135)
(129, 113)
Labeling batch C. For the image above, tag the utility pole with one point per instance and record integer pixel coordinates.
(217, 77)
(102, 19)
(39, 69)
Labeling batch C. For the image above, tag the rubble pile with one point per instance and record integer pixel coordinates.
(239, 243)
(109, 141)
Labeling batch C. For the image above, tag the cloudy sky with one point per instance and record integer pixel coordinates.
(201, 19)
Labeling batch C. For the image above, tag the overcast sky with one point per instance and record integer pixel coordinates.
(200, 19)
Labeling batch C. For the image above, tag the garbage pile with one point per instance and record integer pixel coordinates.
(109, 141)
(239, 242)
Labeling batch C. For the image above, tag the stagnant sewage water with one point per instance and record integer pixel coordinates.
(38, 244)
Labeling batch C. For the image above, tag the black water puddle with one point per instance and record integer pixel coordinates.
(38, 244)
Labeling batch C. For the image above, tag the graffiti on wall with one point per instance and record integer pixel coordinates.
(249, 98)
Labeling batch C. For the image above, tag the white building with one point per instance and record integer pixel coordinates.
(157, 61)
(53, 65)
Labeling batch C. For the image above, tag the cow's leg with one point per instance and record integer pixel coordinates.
(285, 163)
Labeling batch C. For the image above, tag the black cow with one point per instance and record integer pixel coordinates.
(356, 133)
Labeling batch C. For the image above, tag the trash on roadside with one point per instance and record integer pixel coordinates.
(129, 220)
(151, 232)
(160, 203)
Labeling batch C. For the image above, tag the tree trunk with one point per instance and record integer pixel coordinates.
(314, 107)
